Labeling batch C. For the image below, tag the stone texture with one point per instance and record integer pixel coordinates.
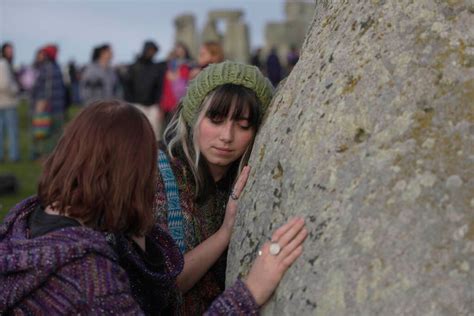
(371, 139)
(236, 43)
(229, 15)
(210, 32)
(185, 27)
(235, 40)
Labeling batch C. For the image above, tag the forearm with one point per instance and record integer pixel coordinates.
(199, 260)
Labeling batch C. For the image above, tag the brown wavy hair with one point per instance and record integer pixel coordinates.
(215, 50)
(103, 169)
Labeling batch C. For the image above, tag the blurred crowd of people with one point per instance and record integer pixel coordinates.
(155, 87)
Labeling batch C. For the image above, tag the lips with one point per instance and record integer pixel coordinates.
(223, 151)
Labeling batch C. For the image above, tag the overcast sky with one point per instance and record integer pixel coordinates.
(78, 25)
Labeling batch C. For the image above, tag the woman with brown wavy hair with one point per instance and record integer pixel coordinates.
(210, 52)
(96, 181)
(87, 244)
(92, 170)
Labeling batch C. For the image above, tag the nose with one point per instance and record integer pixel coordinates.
(227, 131)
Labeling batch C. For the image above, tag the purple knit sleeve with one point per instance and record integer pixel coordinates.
(236, 300)
(114, 304)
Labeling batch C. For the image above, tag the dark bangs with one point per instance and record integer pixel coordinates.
(226, 96)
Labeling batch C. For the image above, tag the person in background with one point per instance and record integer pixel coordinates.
(30, 73)
(9, 90)
(256, 59)
(48, 101)
(211, 52)
(178, 74)
(99, 80)
(292, 57)
(143, 85)
(28, 80)
(273, 67)
(87, 243)
(74, 79)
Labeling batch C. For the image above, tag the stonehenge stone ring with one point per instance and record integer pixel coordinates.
(274, 248)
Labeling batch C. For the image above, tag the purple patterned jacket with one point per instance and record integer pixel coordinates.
(74, 270)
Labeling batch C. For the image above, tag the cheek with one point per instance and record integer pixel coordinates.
(204, 56)
(245, 138)
(206, 132)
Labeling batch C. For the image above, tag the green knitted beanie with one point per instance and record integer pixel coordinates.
(216, 75)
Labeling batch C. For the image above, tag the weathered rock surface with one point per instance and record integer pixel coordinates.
(371, 139)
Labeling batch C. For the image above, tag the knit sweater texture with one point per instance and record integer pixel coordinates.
(201, 219)
(74, 270)
(69, 271)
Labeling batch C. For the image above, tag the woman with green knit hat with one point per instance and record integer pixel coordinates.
(202, 164)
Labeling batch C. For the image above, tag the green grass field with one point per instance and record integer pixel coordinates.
(26, 171)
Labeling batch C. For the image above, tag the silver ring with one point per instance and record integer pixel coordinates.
(234, 196)
(260, 252)
(274, 248)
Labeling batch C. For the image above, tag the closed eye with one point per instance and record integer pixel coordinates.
(244, 123)
(217, 120)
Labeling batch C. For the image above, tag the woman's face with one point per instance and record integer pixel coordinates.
(107, 55)
(205, 56)
(8, 52)
(180, 52)
(223, 141)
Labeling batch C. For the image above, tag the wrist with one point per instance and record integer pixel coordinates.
(224, 234)
(254, 290)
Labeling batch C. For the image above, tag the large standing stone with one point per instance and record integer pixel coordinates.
(235, 40)
(371, 139)
(290, 32)
(210, 32)
(186, 32)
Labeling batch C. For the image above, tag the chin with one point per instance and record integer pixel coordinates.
(221, 162)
